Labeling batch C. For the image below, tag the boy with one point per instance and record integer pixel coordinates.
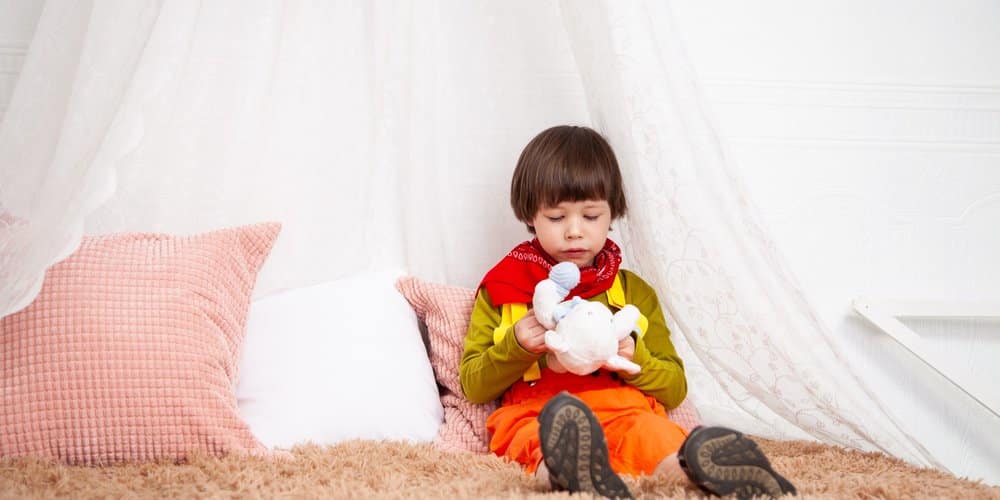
(567, 189)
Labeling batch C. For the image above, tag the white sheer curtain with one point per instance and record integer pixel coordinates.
(694, 233)
(385, 134)
(378, 133)
(58, 142)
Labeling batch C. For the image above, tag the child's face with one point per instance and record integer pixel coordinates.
(573, 231)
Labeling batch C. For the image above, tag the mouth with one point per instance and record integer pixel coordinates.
(575, 252)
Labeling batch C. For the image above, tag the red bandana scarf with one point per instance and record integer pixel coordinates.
(513, 279)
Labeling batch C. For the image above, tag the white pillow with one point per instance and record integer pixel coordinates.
(337, 361)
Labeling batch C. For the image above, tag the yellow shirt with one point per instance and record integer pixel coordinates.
(487, 370)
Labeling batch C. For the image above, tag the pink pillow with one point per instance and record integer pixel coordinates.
(130, 350)
(445, 310)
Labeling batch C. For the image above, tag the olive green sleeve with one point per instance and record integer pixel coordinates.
(662, 374)
(487, 370)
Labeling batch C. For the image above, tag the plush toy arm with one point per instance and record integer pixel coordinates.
(625, 321)
(619, 363)
(556, 342)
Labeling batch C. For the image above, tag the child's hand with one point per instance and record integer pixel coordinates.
(626, 347)
(530, 333)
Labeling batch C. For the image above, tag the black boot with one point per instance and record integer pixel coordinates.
(575, 451)
(725, 462)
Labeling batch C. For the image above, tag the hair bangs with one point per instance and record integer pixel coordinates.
(573, 181)
(566, 163)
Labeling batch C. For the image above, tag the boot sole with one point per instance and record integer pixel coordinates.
(575, 451)
(724, 462)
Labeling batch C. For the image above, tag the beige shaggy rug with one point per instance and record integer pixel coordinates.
(365, 469)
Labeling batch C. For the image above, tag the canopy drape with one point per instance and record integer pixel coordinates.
(384, 134)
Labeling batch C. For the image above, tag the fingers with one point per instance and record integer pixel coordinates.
(535, 343)
(626, 347)
(530, 318)
(536, 347)
(530, 333)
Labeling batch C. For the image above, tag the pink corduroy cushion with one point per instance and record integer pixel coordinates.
(130, 351)
(445, 310)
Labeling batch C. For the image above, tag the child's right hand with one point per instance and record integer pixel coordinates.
(530, 333)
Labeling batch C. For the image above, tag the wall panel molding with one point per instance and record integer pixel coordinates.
(988, 148)
(952, 116)
(972, 96)
(859, 84)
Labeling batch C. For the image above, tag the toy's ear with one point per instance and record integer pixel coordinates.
(545, 299)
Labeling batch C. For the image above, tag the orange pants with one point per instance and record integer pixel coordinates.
(636, 426)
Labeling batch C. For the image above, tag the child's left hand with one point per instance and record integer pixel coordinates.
(626, 347)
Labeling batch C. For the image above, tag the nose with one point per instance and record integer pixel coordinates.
(574, 229)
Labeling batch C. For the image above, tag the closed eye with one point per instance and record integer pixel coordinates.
(555, 219)
(591, 217)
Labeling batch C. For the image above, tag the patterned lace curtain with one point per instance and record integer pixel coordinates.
(752, 340)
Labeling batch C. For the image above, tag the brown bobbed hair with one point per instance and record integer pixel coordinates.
(566, 163)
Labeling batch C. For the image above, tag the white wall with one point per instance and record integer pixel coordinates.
(869, 134)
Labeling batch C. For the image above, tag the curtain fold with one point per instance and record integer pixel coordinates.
(64, 132)
(384, 134)
(695, 234)
(358, 125)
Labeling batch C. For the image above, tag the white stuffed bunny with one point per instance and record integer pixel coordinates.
(583, 335)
